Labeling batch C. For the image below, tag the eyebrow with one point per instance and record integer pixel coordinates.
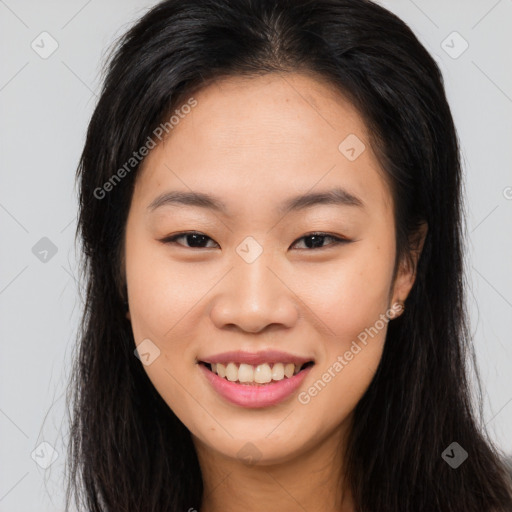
(336, 197)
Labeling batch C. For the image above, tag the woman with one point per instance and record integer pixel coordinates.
(229, 360)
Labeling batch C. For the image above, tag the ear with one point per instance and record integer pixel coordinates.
(406, 274)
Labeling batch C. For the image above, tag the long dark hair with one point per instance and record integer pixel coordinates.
(127, 450)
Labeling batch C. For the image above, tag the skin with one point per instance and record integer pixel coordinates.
(254, 143)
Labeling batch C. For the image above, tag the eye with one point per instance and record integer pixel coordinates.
(315, 240)
(196, 240)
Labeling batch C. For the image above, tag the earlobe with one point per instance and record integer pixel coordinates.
(398, 308)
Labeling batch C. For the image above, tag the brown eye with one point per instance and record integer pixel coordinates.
(315, 240)
(193, 238)
(197, 240)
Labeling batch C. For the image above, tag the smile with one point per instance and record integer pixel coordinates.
(265, 373)
(255, 386)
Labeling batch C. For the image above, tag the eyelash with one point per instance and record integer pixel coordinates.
(337, 240)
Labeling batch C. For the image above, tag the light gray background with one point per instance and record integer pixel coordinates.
(45, 107)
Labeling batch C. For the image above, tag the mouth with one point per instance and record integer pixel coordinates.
(256, 375)
(258, 385)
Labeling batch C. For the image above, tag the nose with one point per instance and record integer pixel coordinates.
(254, 296)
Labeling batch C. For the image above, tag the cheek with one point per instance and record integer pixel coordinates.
(160, 297)
(160, 292)
(350, 295)
(352, 304)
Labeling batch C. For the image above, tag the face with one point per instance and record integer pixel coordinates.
(279, 281)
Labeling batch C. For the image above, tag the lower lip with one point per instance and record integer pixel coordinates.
(259, 395)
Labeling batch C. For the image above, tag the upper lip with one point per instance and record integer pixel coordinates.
(255, 358)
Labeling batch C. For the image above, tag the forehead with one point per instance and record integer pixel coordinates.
(252, 141)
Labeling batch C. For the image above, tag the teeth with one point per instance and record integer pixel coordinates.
(231, 372)
(245, 373)
(260, 374)
(289, 370)
(278, 371)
